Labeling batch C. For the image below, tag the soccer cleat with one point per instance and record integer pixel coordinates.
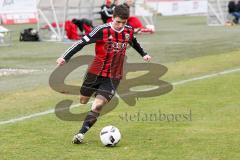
(78, 138)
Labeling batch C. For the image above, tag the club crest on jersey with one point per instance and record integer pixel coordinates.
(127, 37)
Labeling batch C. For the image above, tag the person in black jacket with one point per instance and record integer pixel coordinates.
(234, 9)
(238, 6)
(107, 11)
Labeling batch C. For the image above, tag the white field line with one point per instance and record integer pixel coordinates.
(14, 120)
(12, 71)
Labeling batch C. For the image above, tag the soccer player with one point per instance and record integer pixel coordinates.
(105, 72)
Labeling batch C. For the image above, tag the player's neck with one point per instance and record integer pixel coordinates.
(119, 31)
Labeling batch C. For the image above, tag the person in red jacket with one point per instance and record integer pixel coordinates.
(71, 31)
(104, 74)
(84, 25)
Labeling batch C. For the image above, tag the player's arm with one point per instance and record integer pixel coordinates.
(135, 44)
(92, 37)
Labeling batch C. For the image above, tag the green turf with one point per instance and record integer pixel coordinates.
(186, 46)
(212, 133)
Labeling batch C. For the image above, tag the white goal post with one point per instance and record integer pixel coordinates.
(217, 12)
(52, 14)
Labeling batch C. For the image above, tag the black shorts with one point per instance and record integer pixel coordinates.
(99, 85)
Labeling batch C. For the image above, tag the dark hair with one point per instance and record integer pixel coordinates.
(121, 11)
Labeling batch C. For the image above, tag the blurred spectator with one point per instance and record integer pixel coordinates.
(238, 6)
(116, 2)
(71, 31)
(129, 3)
(107, 11)
(84, 25)
(135, 22)
(234, 9)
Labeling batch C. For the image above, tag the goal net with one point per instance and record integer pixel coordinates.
(52, 15)
(217, 12)
(5, 36)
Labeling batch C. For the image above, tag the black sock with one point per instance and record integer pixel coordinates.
(89, 121)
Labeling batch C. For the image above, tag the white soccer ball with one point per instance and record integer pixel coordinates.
(110, 136)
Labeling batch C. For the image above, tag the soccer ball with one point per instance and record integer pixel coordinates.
(110, 136)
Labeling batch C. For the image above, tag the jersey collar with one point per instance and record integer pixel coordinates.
(115, 29)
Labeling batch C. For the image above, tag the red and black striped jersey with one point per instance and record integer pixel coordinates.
(110, 49)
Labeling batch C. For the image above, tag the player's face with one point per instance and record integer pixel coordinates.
(118, 23)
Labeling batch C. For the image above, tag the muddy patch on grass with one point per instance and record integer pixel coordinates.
(13, 71)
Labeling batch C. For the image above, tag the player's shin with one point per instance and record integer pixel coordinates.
(92, 116)
(89, 121)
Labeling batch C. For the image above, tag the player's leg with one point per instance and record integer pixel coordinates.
(103, 95)
(84, 99)
(91, 118)
(93, 114)
(89, 86)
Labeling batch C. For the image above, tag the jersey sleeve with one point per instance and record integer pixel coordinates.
(135, 44)
(92, 37)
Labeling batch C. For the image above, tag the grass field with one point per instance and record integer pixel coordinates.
(185, 45)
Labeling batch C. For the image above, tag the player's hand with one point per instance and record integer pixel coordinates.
(60, 61)
(147, 58)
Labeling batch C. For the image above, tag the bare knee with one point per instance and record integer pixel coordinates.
(98, 104)
(97, 108)
(84, 100)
